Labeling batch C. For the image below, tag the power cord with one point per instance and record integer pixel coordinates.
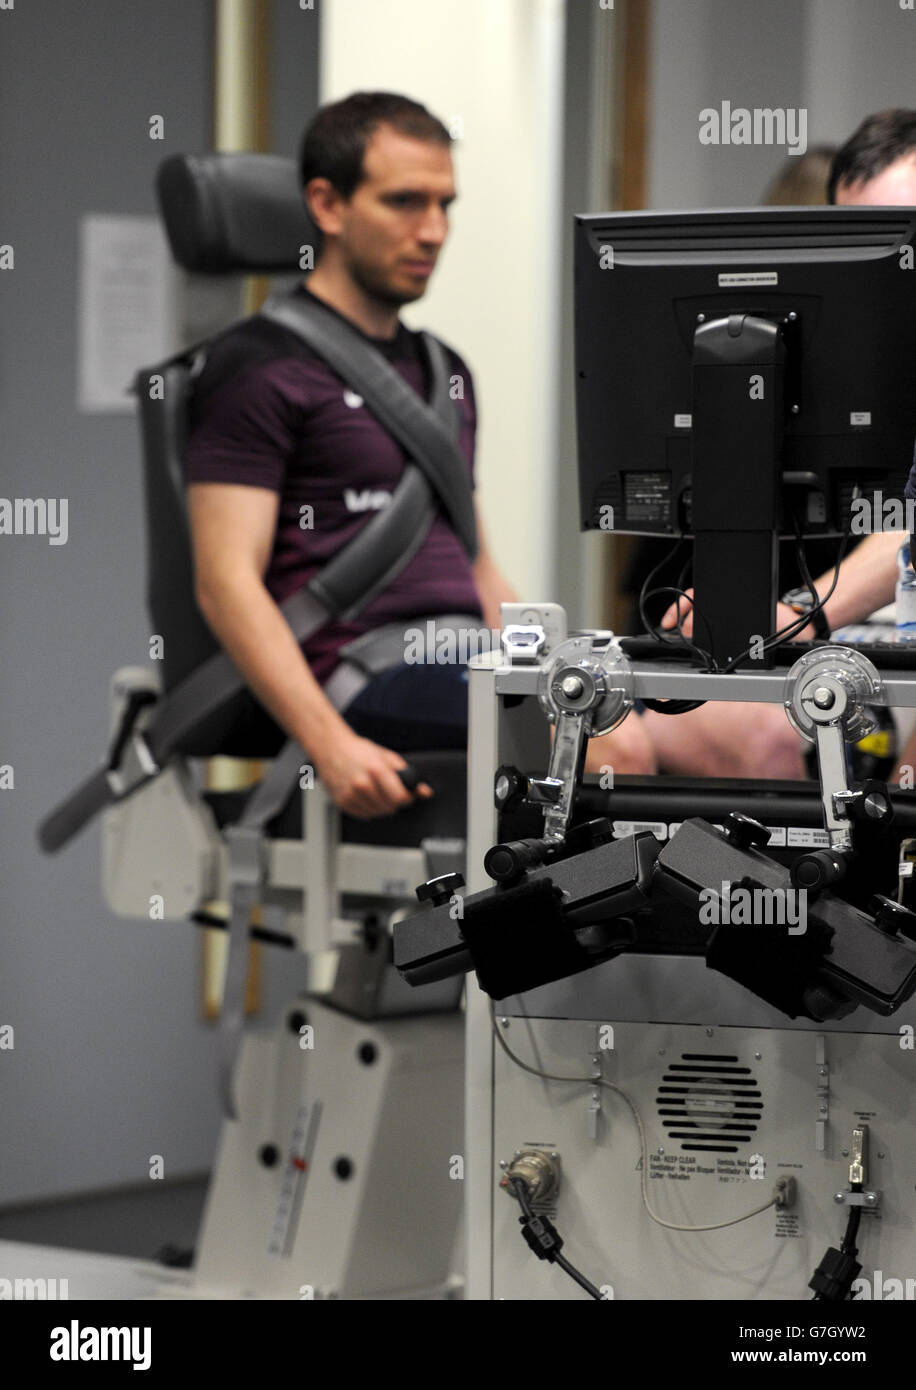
(542, 1237)
(833, 1279)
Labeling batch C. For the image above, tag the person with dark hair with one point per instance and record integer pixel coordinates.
(274, 430)
(876, 167)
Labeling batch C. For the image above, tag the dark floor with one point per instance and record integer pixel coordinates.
(133, 1221)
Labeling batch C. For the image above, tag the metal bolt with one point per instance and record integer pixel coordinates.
(822, 1108)
(709, 1032)
(796, 410)
(504, 1022)
(660, 1149)
(502, 787)
(839, 1198)
(757, 1056)
(870, 1199)
(822, 1071)
(823, 697)
(572, 687)
(792, 316)
(596, 1095)
(503, 1163)
(701, 318)
(844, 1152)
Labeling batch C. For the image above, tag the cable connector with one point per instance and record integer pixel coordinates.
(834, 1276)
(541, 1236)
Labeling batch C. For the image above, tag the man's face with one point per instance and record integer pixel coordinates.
(895, 186)
(390, 232)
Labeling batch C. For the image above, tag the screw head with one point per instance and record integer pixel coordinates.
(823, 697)
(839, 1198)
(572, 687)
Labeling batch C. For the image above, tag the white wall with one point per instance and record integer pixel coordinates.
(496, 65)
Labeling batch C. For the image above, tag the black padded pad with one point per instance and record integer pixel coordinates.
(234, 213)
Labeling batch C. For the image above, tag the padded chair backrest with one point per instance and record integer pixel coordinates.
(224, 214)
(163, 393)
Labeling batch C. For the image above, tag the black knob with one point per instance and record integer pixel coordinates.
(817, 869)
(873, 804)
(892, 917)
(269, 1155)
(439, 890)
(510, 860)
(509, 787)
(743, 831)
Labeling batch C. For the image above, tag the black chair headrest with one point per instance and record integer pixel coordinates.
(226, 213)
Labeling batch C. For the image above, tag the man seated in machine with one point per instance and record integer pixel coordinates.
(275, 436)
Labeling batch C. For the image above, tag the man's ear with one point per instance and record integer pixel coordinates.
(321, 202)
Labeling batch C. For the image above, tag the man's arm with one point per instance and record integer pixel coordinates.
(492, 586)
(232, 532)
(866, 582)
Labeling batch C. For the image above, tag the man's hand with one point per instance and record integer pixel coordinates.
(361, 777)
(784, 616)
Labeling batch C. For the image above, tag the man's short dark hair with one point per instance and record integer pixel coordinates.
(879, 142)
(335, 142)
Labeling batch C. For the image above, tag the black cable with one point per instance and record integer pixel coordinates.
(543, 1238)
(799, 624)
(834, 1277)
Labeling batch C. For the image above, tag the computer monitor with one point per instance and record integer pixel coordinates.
(739, 374)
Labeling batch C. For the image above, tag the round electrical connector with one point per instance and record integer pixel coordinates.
(538, 1169)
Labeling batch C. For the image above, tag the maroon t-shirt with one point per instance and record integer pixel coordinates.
(268, 412)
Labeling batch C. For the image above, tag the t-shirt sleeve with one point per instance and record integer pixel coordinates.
(245, 431)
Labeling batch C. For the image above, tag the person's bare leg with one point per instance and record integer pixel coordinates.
(626, 750)
(727, 740)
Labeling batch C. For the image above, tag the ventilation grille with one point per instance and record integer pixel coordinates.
(709, 1102)
(818, 233)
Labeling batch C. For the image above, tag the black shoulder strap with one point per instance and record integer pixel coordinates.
(396, 405)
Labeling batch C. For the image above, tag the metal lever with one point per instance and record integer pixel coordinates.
(584, 692)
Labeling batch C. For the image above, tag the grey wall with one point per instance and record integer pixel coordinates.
(838, 59)
(111, 1061)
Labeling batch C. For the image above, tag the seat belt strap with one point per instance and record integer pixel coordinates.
(395, 404)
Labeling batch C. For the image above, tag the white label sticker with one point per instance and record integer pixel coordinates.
(905, 869)
(683, 422)
(631, 827)
(736, 279)
(860, 417)
(777, 838)
(800, 838)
